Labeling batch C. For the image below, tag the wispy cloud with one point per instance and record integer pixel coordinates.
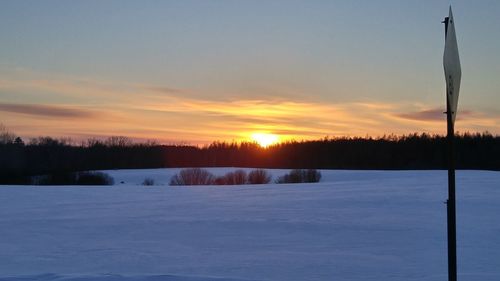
(168, 113)
(423, 115)
(47, 110)
(434, 115)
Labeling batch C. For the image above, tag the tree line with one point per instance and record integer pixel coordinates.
(46, 155)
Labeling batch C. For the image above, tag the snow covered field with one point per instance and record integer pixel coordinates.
(353, 225)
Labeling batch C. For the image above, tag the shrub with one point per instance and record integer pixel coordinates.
(300, 176)
(312, 175)
(15, 178)
(236, 177)
(220, 180)
(193, 176)
(232, 178)
(70, 178)
(295, 176)
(59, 178)
(148, 182)
(259, 176)
(94, 178)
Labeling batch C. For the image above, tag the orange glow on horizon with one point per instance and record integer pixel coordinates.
(265, 139)
(182, 116)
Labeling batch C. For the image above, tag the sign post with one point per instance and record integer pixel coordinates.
(453, 75)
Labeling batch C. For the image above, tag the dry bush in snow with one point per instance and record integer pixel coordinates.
(193, 176)
(259, 176)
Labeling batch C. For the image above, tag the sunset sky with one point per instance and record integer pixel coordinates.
(199, 71)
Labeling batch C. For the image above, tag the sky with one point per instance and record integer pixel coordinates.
(201, 71)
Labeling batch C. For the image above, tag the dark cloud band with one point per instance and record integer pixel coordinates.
(431, 115)
(424, 115)
(46, 110)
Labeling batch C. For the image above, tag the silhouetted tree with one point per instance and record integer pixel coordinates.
(46, 155)
(193, 176)
(259, 176)
(6, 137)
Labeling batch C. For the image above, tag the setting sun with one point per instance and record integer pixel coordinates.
(265, 139)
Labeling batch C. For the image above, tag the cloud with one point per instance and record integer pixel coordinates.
(433, 115)
(298, 120)
(167, 113)
(47, 110)
(423, 115)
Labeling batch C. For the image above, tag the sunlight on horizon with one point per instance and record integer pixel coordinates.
(265, 139)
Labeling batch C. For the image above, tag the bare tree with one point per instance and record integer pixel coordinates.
(6, 137)
(193, 176)
(259, 176)
(118, 141)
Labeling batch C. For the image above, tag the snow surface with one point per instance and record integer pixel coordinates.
(353, 225)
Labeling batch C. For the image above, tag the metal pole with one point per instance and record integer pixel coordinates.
(452, 225)
(450, 203)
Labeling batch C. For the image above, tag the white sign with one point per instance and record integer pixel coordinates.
(452, 70)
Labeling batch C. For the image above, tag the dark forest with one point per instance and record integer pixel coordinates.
(45, 155)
